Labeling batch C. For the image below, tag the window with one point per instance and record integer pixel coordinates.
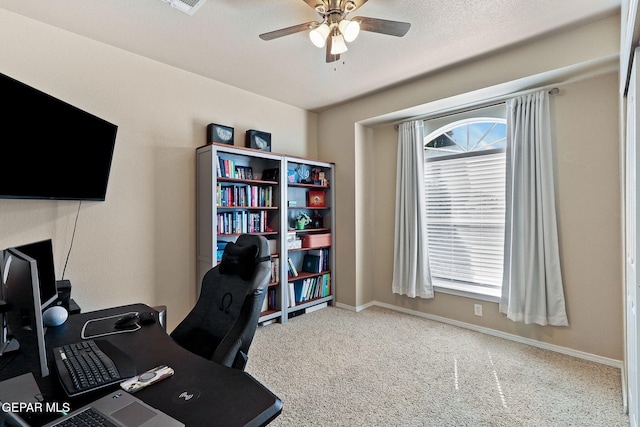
(464, 177)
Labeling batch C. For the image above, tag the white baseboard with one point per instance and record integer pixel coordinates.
(315, 307)
(558, 349)
(355, 309)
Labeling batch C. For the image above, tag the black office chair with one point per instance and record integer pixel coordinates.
(223, 322)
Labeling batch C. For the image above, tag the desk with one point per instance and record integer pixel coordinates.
(221, 396)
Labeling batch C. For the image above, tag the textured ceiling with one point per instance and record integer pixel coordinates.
(221, 41)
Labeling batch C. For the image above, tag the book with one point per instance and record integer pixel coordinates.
(316, 199)
(298, 287)
(275, 270)
(311, 264)
(272, 296)
(324, 258)
(292, 268)
(292, 298)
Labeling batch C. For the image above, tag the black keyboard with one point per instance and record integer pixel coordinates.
(89, 365)
(90, 417)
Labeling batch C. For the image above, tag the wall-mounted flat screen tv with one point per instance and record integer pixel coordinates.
(50, 149)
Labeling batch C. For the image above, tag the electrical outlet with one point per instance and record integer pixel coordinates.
(477, 309)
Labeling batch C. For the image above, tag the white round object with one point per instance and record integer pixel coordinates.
(54, 316)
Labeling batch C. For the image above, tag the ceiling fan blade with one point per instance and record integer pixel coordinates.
(383, 26)
(330, 56)
(289, 30)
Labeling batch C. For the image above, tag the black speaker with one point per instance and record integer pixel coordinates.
(64, 293)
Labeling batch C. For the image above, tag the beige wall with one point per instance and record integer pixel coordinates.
(138, 245)
(358, 137)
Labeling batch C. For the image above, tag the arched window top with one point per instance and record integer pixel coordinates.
(467, 135)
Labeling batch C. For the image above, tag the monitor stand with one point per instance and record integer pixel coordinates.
(9, 346)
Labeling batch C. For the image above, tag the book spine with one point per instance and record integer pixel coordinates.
(292, 299)
(292, 268)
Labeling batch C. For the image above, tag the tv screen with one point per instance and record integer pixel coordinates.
(50, 149)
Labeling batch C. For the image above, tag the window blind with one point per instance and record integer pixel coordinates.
(465, 197)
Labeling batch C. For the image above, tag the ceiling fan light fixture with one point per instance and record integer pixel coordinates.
(334, 30)
(319, 35)
(350, 6)
(338, 45)
(349, 29)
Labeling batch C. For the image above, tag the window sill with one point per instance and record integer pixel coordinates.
(465, 290)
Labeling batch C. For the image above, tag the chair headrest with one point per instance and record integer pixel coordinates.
(253, 239)
(240, 258)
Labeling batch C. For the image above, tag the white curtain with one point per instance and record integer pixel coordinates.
(411, 275)
(532, 290)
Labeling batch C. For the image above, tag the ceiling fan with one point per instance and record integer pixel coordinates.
(335, 28)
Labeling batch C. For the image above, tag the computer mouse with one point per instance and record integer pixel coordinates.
(127, 321)
(147, 318)
(54, 316)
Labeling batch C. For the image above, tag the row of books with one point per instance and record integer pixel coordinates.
(245, 196)
(316, 261)
(310, 288)
(228, 169)
(242, 222)
(270, 300)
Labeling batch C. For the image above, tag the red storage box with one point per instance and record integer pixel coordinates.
(315, 240)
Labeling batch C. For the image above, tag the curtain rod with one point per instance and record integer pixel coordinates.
(489, 102)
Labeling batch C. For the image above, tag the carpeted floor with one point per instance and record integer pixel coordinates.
(379, 367)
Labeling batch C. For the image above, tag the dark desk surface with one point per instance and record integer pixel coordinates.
(221, 396)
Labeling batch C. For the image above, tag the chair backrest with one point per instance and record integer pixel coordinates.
(223, 322)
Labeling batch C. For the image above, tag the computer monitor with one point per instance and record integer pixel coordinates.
(42, 252)
(22, 323)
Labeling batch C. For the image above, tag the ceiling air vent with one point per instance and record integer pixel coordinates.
(186, 6)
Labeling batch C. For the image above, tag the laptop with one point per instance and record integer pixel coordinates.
(22, 388)
(123, 410)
